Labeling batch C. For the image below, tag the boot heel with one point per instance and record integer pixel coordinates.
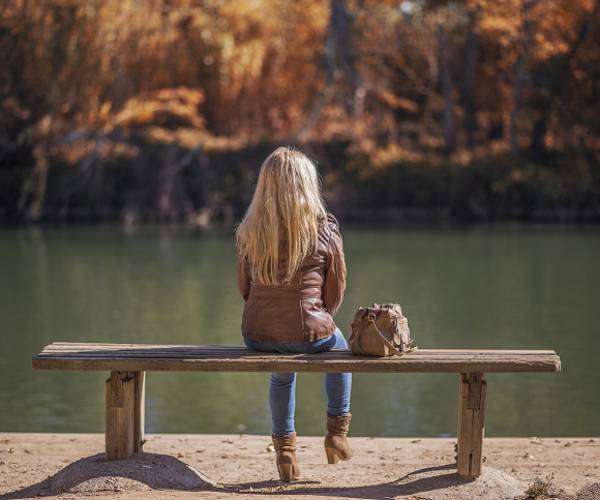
(333, 455)
(336, 441)
(285, 472)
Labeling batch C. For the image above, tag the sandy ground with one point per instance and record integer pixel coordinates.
(176, 466)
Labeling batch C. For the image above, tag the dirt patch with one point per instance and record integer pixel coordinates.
(96, 475)
(143, 472)
(590, 492)
(492, 484)
(177, 467)
(433, 483)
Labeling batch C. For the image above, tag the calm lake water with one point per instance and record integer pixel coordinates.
(496, 286)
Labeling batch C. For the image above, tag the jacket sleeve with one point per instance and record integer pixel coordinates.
(335, 272)
(243, 276)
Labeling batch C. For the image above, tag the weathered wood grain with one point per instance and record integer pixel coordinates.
(471, 415)
(119, 393)
(78, 346)
(141, 357)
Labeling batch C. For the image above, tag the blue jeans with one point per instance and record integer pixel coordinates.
(282, 390)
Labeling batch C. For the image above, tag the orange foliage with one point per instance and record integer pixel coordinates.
(397, 81)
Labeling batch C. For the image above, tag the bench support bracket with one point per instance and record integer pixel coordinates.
(124, 396)
(471, 412)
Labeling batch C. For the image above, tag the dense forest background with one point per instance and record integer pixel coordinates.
(163, 110)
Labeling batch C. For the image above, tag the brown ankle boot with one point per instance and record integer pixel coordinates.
(285, 447)
(336, 442)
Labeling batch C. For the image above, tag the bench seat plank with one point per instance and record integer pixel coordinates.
(148, 357)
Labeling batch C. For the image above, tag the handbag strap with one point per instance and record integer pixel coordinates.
(392, 347)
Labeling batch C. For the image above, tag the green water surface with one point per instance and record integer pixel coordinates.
(492, 286)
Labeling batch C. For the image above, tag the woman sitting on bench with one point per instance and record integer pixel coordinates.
(292, 277)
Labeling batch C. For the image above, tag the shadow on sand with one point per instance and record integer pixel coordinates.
(162, 472)
(418, 481)
(142, 471)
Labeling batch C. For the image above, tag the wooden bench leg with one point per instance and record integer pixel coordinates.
(119, 396)
(139, 382)
(471, 411)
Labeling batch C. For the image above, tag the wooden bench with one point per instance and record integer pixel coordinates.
(124, 390)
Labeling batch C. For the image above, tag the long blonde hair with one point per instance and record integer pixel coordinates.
(283, 217)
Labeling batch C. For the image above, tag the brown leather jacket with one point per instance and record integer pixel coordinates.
(303, 310)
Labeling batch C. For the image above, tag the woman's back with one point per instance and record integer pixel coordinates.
(300, 309)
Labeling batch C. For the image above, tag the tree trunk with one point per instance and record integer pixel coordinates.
(516, 93)
(339, 56)
(521, 74)
(342, 26)
(538, 135)
(468, 103)
(446, 85)
(555, 84)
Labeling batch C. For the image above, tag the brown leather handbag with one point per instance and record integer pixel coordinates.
(380, 330)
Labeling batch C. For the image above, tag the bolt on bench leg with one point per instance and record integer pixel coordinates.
(119, 397)
(471, 411)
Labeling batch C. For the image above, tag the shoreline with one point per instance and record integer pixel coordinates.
(179, 466)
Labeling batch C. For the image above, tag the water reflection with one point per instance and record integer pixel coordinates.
(488, 287)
